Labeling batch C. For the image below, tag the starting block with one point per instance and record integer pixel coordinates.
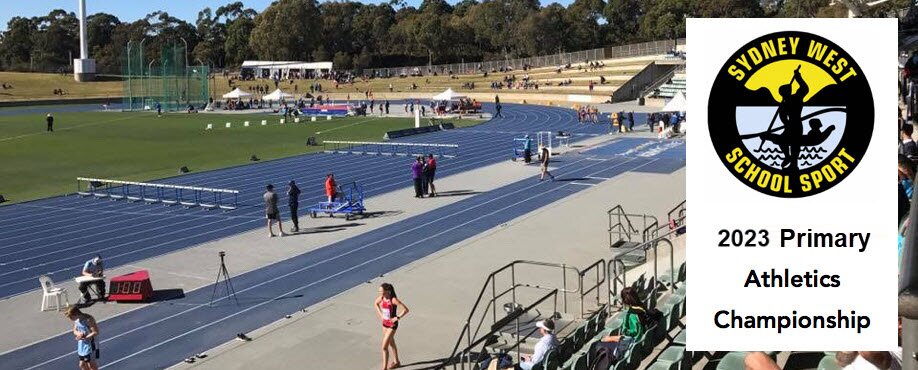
(296, 120)
(264, 123)
(282, 121)
(313, 118)
(210, 126)
(246, 124)
(328, 118)
(228, 125)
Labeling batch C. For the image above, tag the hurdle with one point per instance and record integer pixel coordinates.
(167, 194)
(396, 149)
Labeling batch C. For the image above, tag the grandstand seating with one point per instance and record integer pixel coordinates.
(671, 88)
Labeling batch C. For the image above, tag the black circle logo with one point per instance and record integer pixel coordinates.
(790, 114)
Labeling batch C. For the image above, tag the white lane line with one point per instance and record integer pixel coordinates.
(336, 274)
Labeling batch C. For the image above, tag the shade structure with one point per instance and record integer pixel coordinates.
(236, 94)
(278, 95)
(449, 94)
(676, 104)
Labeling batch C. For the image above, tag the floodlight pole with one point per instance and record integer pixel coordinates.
(150, 70)
(185, 68)
(143, 84)
(130, 88)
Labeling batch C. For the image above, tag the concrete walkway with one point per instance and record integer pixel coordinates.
(343, 332)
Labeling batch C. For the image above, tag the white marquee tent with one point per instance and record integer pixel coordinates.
(448, 95)
(676, 104)
(277, 95)
(236, 94)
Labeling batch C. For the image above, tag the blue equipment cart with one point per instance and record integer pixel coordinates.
(349, 204)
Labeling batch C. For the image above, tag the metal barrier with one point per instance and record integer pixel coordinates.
(553, 60)
(620, 225)
(462, 358)
(488, 66)
(617, 270)
(189, 196)
(388, 148)
(476, 319)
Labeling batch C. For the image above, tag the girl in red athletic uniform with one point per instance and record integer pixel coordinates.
(387, 304)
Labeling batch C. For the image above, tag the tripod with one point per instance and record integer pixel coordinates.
(224, 275)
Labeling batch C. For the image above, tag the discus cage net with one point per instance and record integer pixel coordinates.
(164, 78)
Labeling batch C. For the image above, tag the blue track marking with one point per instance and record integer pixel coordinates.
(161, 334)
(73, 229)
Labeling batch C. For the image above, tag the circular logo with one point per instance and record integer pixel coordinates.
(790, 114)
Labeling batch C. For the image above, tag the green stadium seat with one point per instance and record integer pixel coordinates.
(828, 363)
(580, 336)
(672, 355)
(580, 363)
(733, 361)
(662, 366)
(666, 278)
(616, 320)
(591, 326)
(680, 338)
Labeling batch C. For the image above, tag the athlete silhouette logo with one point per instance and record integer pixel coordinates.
(791, 139)
(790, 122)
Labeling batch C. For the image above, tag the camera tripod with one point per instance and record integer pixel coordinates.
(224, 275)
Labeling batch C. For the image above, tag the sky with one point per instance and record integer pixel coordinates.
(131, 10)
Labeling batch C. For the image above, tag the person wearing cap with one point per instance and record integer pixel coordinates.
(527, 150)
(50, 120)
(293, 201)
(545, 344)
(93, 268)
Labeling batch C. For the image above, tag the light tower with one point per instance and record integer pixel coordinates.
(84, 69)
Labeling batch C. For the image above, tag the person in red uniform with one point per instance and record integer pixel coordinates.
(331, 188)
(387, 304)
(430, 170)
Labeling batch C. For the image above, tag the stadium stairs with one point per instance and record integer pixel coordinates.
(513, 331)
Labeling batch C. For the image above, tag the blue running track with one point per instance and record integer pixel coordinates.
(126, 232)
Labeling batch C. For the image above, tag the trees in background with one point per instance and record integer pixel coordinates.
(357, 35)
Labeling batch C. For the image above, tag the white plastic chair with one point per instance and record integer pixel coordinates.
(50, 291)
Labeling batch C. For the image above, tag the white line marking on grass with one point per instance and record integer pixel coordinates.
(62, 129)
(345, 126)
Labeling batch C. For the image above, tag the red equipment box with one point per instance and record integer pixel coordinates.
(133, 287)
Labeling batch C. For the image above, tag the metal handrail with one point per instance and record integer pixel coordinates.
(658, 82)
(601, 276)
(467, 333)
(679, 210)
(466, 351)
(613, 264)
(619, 226)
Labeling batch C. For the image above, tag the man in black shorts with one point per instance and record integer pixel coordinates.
(271, 211)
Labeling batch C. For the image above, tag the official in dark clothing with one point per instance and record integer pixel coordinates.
(50, 120)
(907, 147)
(498, 108)
(293, 201)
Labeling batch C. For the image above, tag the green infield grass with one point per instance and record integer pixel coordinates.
(143, 147)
